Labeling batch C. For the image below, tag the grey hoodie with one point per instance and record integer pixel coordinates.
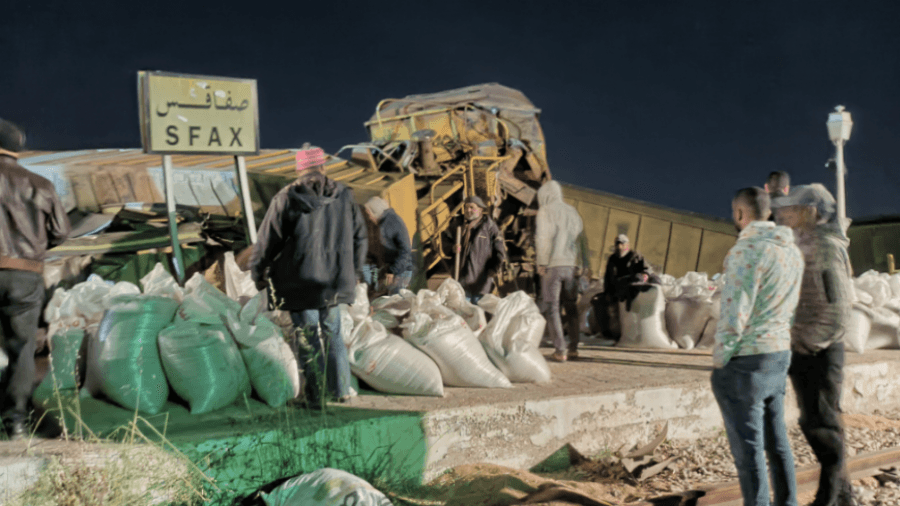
(558, 236)
(826, 293)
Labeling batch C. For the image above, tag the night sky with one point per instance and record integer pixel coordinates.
(677, 103)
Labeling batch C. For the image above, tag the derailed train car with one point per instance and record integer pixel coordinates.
(425, 155)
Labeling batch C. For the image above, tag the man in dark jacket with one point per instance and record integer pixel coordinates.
(32, 220)
(393, 239)
(311, 248)
(483, 251)
(623, 268)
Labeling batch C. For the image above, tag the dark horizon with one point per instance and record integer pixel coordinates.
(678, 105)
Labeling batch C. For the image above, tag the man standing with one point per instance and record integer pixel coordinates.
(32, 221)
(752, 348)
(483, 250)
(393, 237)
(561, 248)
(817, 334)
(311, 248)
(778, 184)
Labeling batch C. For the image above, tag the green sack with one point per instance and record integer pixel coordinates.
(128, 357)
(64, 349)
(270, 362)
(203, 365)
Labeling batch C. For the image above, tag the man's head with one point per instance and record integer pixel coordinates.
(805, 207)
(310, 160)
(622, 244)
(12, 138)
(474, 207)
(748, 205)
(778, 184)
(375, 208)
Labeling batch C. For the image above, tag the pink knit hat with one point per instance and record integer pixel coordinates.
(311, 157)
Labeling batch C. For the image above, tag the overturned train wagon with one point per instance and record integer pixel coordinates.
(106, 181)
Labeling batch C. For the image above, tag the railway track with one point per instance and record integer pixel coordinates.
(729, 494)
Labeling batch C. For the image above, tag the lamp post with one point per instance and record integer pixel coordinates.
(839, 125)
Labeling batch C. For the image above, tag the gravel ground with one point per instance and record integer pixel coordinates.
(709, 460)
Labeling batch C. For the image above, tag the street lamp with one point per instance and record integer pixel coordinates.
(839, 126)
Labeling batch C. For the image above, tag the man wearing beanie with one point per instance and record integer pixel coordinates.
(311, 248)
(33, 220)
(396, 253)
(483, 251)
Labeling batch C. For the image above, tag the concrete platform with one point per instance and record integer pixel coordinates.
(609, 398)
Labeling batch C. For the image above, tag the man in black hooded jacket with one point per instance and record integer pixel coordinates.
(311, 248)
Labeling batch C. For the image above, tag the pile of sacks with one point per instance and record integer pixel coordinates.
(875, 318)
(140, 343)
(415, 343)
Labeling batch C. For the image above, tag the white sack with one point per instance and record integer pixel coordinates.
(858, 328)
(270, 362)
(454, 297)
(326, 487)
(360, 308)
(644, 326)
(512, 338)
(390, 364)
(708, 337)
(447, 339)
(875, 285)
(238, 283)
(686, 317)
(883, 334)
(160, 282)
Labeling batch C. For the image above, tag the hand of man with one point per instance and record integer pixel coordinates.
(586, 273)
(644, 277)
(389, 279)
(542, 270)
(261, 285)
(457, 248)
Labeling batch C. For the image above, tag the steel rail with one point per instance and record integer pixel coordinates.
(729, 493)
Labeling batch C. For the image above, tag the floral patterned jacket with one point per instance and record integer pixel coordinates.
(763, 273)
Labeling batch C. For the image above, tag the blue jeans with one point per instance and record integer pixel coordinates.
(322, 328)
(750, 393)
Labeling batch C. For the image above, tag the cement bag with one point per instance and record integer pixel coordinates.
(586, 308)
(447, 339)
(159, 282)
(454, 297)
(360, 309)
(347, 324)
(119, 289)
(204, 303)
(694, 284)
(670, 286)
(858, 328)
(270, 362)
(203, 365)
(238, 283)
(385, 318)
(397, 305)
(390, 364)
(883, 334)
(708, 337)
(644, 326)
(686, 318)
(513, 337)
(489, 303)
(128, 360)
(894, 283)
(62, 312)
(326, 487)
(872, 283)
(65, 346)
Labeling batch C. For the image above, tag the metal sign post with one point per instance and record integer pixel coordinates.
(246, 205)
(194, 114)
(168, 181)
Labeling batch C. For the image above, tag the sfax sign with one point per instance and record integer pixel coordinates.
(183, 113)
